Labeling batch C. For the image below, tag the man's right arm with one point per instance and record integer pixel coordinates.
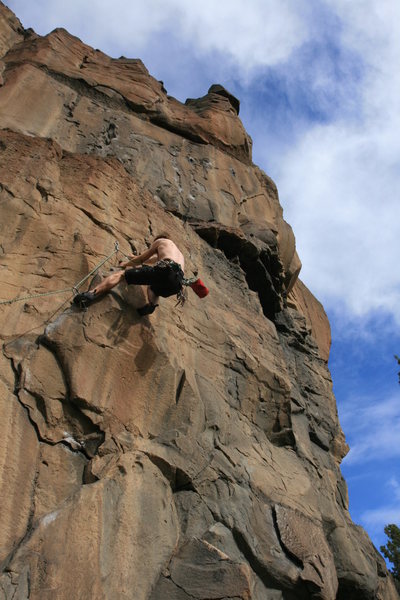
(141, 258)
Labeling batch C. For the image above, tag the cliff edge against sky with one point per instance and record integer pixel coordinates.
(191, 454)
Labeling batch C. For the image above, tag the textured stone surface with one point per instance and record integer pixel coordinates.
(305, 542)
(11, 30)
(192, 454)
(304, 302)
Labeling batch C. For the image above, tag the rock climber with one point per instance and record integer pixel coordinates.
(160, 268)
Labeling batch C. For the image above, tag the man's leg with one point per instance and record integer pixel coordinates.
(146, 275)
(167, 283)
(84, 299)
(152, 304)
(108, 283)
(153, 299)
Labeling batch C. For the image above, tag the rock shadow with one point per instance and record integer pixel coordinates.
(147, 354)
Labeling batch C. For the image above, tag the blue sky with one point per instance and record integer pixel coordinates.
(319, 86)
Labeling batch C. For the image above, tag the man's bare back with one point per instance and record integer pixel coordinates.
(160, 249)
(166, 249)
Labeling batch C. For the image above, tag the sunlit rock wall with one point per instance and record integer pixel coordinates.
(191, 454)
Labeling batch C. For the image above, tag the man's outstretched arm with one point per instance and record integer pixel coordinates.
(140, 258)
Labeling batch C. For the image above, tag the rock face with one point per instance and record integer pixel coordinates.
(193, 454)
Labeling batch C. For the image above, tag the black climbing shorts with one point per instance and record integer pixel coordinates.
(165, 278)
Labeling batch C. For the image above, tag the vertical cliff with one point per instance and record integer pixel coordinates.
(193, 454)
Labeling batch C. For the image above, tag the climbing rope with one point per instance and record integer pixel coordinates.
(73, 289)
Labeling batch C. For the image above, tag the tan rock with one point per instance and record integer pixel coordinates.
(184, 455)
(110, 529)
(210, 119)
(11, 30)
(203, 571)
(302, 300)
(19, 455)
(306, 541)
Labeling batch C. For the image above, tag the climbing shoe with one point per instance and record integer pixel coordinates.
(85, 299)
(147, 309)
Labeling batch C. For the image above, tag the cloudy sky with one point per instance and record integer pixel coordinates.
(319, 85)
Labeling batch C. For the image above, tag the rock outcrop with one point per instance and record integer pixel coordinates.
(193, 454)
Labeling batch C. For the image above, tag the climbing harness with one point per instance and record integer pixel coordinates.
(74, 289)
(188, 282)
(182, 294)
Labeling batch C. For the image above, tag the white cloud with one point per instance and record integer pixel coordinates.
(341, 181)
(395, 485)
(264, 32)
(374, 429)
(376, 519)
(97, 23)
(342, 202)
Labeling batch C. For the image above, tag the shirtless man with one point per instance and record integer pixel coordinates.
(161, 269)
